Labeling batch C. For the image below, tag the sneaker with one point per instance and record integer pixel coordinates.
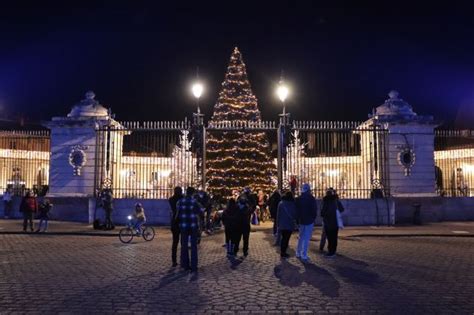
(305, 259)
(330, 255)
(284, 255)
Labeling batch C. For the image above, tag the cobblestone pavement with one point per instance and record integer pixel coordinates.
(73, 274)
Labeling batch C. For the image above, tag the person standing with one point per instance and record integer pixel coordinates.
(273, 202)
(177, 195)
(331, 205)
(44, 209)
(262, 205)
(107, 204)
(7, 203)
(246, 209)
(286, 215)
(306, 208)
(230, 218)
(28, 206)
(188, 212)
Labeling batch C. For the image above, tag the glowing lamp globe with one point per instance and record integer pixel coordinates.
(282, 92)
(197, 90)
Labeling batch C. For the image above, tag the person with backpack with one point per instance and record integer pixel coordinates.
(28, 206)
(44, 209)
(306, 208)
(175, 231)
(286, 216)
(329, 211)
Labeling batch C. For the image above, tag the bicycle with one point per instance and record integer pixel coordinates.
(127, 233)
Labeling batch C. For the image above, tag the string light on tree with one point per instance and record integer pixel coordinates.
(237, 159)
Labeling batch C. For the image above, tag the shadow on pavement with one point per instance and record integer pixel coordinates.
(355, 271)
(172, 276)
(234, 262)
(290, 275)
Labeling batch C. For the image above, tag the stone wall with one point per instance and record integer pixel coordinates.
(435, 209)
(421, 179)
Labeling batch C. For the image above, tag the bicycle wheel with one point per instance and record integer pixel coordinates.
(148, 233)
(126, 235)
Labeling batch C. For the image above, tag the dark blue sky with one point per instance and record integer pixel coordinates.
(140, 57)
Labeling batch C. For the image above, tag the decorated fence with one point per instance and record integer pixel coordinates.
(24, 160)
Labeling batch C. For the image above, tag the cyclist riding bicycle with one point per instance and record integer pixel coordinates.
(139, 218)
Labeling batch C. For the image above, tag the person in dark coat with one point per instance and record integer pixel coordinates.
(28, 206)
(107, 205)
(273, 202)
(232, 224)
(188, 212)
(177, 195)
(330, 206)
(286, 216)
(246, 206)
(306, 208)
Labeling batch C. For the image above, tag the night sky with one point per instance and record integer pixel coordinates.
(140, 58)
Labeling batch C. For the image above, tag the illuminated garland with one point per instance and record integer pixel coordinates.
(238, 159)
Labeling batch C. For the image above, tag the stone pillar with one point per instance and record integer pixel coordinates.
(406, 150)
(74, 146)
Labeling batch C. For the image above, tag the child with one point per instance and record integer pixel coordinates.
(43, 216)
(139, 217)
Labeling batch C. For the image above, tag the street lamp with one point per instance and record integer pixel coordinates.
(197, 90)
(282, 92)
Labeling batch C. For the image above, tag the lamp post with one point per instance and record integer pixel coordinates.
(197, 90)
(200, 133)
(282, 92)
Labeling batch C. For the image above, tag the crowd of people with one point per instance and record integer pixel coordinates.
(289, 213)
(191, 214)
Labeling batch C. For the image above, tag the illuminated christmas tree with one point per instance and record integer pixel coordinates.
(235, 159)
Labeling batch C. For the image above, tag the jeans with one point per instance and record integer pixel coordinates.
(137, 226)
(45, 225)
(174, 246)
(332, 240)
(185, 235)
(305, 236)
(285, 239)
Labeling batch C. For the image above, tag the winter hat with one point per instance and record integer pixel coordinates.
(305, 188)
